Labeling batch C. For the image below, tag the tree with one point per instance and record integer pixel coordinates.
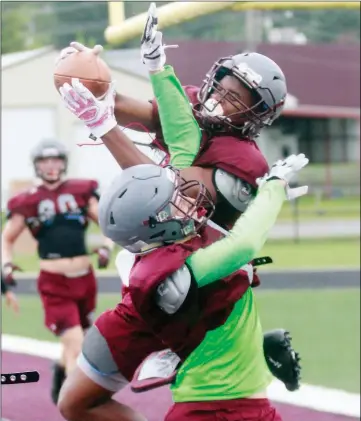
(14, 28)
(322, 25)
(72, 20)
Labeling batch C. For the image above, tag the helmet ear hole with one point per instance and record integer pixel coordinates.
(111, 219)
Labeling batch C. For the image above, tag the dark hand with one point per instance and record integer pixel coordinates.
(7, 273)
(104, 254)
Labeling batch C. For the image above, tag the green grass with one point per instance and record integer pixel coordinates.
(314, 253)
(29, 322)
(310, 207)
(325, 326)
(317, 253)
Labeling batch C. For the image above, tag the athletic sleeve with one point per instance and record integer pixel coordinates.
(181, 131)
(244, 241)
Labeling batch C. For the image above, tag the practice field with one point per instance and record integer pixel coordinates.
(325, 325)
(314, 253)
(308, 253)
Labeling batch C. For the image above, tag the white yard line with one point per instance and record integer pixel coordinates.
(313, 397)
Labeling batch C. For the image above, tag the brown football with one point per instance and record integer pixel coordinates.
(88, 67)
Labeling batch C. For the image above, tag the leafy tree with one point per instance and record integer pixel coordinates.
(323, 26)
(14, 27)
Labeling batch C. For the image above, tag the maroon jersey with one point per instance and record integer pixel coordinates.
(57, 219)
(205, 308)
(227, 151)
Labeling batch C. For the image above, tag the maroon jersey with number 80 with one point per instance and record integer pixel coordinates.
(57, 218)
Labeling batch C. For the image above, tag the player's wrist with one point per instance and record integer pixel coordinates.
(281, 180)
(7, 268)
(104, 128)
(7, 263)
(154, 72)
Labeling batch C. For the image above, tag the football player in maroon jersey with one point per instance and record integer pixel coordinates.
(57, 211)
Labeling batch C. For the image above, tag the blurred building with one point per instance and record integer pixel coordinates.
(323, 113)
(32, 110)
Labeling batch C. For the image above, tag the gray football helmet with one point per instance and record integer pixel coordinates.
(147, 206)
(258, 73)
(49, 149)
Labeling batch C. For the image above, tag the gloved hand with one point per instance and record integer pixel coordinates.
(96, 114)
(285, 170)
(104, 254)
(7, 273)
(152, 48)
(77, 46)
(282, 360)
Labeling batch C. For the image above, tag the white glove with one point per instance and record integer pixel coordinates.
(285, 170)
(77, 47)
(152, 49)
(98, 115)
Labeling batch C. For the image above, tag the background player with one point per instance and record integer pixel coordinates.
(57, 211)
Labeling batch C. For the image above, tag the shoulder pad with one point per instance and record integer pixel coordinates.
(172, 292)
(236, 191)
(20, 203)
(241, 158)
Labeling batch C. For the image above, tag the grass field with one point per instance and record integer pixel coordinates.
(325, 325)
(315, 253)
(309, 207)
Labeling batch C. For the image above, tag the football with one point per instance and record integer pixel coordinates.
(88, 67)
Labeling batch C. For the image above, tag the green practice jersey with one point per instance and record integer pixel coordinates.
(229, 363)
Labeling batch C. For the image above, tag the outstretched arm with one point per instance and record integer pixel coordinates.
(250, 231)
(181, 131)
(244, 241)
